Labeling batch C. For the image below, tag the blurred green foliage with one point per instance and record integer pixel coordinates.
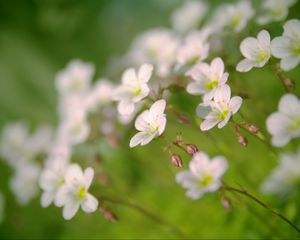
(38, 37)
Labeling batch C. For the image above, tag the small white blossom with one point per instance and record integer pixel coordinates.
(188, 16)
(194, 49)
(256, 51)
(274, 10)
(204, 175)
(2, 206)
(220, 110)
(75, 78)
(134, 88)
(287, 47)
(207, 78)
(285, 124)
(151, 123)
(74, 193)
(285, 177)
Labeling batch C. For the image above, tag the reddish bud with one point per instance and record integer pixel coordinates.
(226, 203)
(242, 140)
(253, 129)
(108, 214)
(176, 160)
(191, 149)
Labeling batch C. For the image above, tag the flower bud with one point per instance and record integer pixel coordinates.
(191, 149)
(253, 129)
(176, 160)
(289, 83)
(226, 203)
(108, 214)
(242, 140)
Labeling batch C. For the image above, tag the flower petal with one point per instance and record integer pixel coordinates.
(89, 204)
(137, 139)
(145, 73)
(203, 110)
(88, 176)
(245, 65)
(196, 88)
(235, 104)
(280, 47)
(289, 63)
(158, 107)
(126, 107)
(129, 77)
(223, 93)
(218, 166)
(289, 104)
(248, 47)
(264, 39)
(208, 124)
(70, 209)
(47, 198)
(292, 29)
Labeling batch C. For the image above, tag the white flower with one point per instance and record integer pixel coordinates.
(151, 123)
(41, 140)
(188, 16)
(235, 15)
(133, 89)
(2, 206)
(285, 177)
(194, 49)
(287, 47)
(156, 46)
(285, 124)
(220, 110)
(206, 78)
(204, 175)
(75, 78)
(274, 10)
(24, 184)
(256, 51)
(51, 179)
(74, 193)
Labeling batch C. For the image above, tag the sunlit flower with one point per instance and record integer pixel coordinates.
(188, 16)
(274, 10)
(151, 123)
(194, 49)
(287, 47)
(204, 175)
(220, 110)
(255, 50)
(285, 124)
(75, 78)
(2, 206)
(74, 193)
(285, 177)
(206, 78)
(24, 183)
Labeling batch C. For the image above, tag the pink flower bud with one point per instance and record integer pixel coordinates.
(242, 140)
(108, 214)
(176, 160)
(191, 149)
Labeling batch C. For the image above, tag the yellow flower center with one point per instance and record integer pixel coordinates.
(236, 20)
(262, 56)
(295, 125)
(211, 85)
(206, 181)
(223, 115)
(82, 193)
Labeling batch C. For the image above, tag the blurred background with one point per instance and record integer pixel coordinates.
(39, 37)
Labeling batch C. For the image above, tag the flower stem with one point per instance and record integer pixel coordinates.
(262, 204)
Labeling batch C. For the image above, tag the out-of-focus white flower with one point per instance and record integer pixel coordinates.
(234, 15)
(24, 184)
(287, 47)
(285, 124)
(256, 51)
(74, 193)
(41, 139)
(285, 176)
(100, 95)
(274, 10)
(2, 206)
(206, 78)
(194, 49)
(151, 123)
(75, 78)
(156, 46)
(220, 110)
(204, 175)
(51, 179)
(133, 89)
(188, 16)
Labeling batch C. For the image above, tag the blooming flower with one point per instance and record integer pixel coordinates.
(285, 176)
(204, 175)
(255, 50)
(74, 193)
(287, 47)
(206, 78)
(194, 49)
(188, 16)
(151, 123)
(133, 89)
(275, 10)
(220, 110)
(285, 124)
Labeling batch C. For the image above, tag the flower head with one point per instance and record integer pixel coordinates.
(287, 47)
(74, 193)
(220, 109)
(285, 124)
(133, 89)
(256, 51)
(204, 175)
(151, 123)
(206, 78)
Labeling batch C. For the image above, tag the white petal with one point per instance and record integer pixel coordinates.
(88, 176)
(195, 88)
(137, 139)
(225, 121)
(126, 107)
(89, 204)
(203, 110)
(208, 124)
(70, 209)
(199, 163)
(162, 122)
(194, 193)
(217, 66)
(129, 77)
(218, 166)
(148, 138)
(222, 94)
(142, 121)
(289, 63)
(158, 107)
(73, 173)
(289, 104)
(245, 65)
(277, 123)
(248, 47)
(186, 179)
(292, 29)
(235, 104)
(280, 140)
(145, 73)
(47, 198)
(62, 196)
(264, 39)
(280, 47)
